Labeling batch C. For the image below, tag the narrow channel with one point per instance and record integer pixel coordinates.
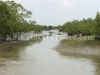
(40, 58)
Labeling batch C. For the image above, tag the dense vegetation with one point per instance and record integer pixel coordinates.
(50, 27)
(13, 20)
(85, 27)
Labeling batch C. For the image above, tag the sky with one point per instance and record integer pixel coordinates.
(57, 12)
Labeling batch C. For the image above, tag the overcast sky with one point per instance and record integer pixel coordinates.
(55, 12)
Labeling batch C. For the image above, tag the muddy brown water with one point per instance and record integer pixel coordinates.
(39, 58)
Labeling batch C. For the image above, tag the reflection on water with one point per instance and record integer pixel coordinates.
(39, 58)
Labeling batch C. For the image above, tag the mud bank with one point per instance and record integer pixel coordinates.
(78, 49)
(29, 35)
(22, 38)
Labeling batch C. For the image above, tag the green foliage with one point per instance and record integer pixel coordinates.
(50, 27)
(84, 27)
(13, 19)
(5, 27)
(97, 19)
(80, 43)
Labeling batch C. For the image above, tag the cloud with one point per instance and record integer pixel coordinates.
(67, 4)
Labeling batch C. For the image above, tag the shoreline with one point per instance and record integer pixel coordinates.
(78, 48)
(7, 44)
(83, 51)
(11, 43)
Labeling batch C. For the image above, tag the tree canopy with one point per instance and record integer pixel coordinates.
(13, 19)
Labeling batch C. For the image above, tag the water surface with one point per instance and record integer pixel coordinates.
(39, 58)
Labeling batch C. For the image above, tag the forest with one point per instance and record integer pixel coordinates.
(85, 27)
(13, 19)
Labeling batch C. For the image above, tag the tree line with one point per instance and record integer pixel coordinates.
(86, 27)
(13, 20)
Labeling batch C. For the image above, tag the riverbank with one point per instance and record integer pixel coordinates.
(7, 44)
(23, 38)
(84, 47)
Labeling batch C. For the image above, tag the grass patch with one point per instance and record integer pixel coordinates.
(75, 43)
